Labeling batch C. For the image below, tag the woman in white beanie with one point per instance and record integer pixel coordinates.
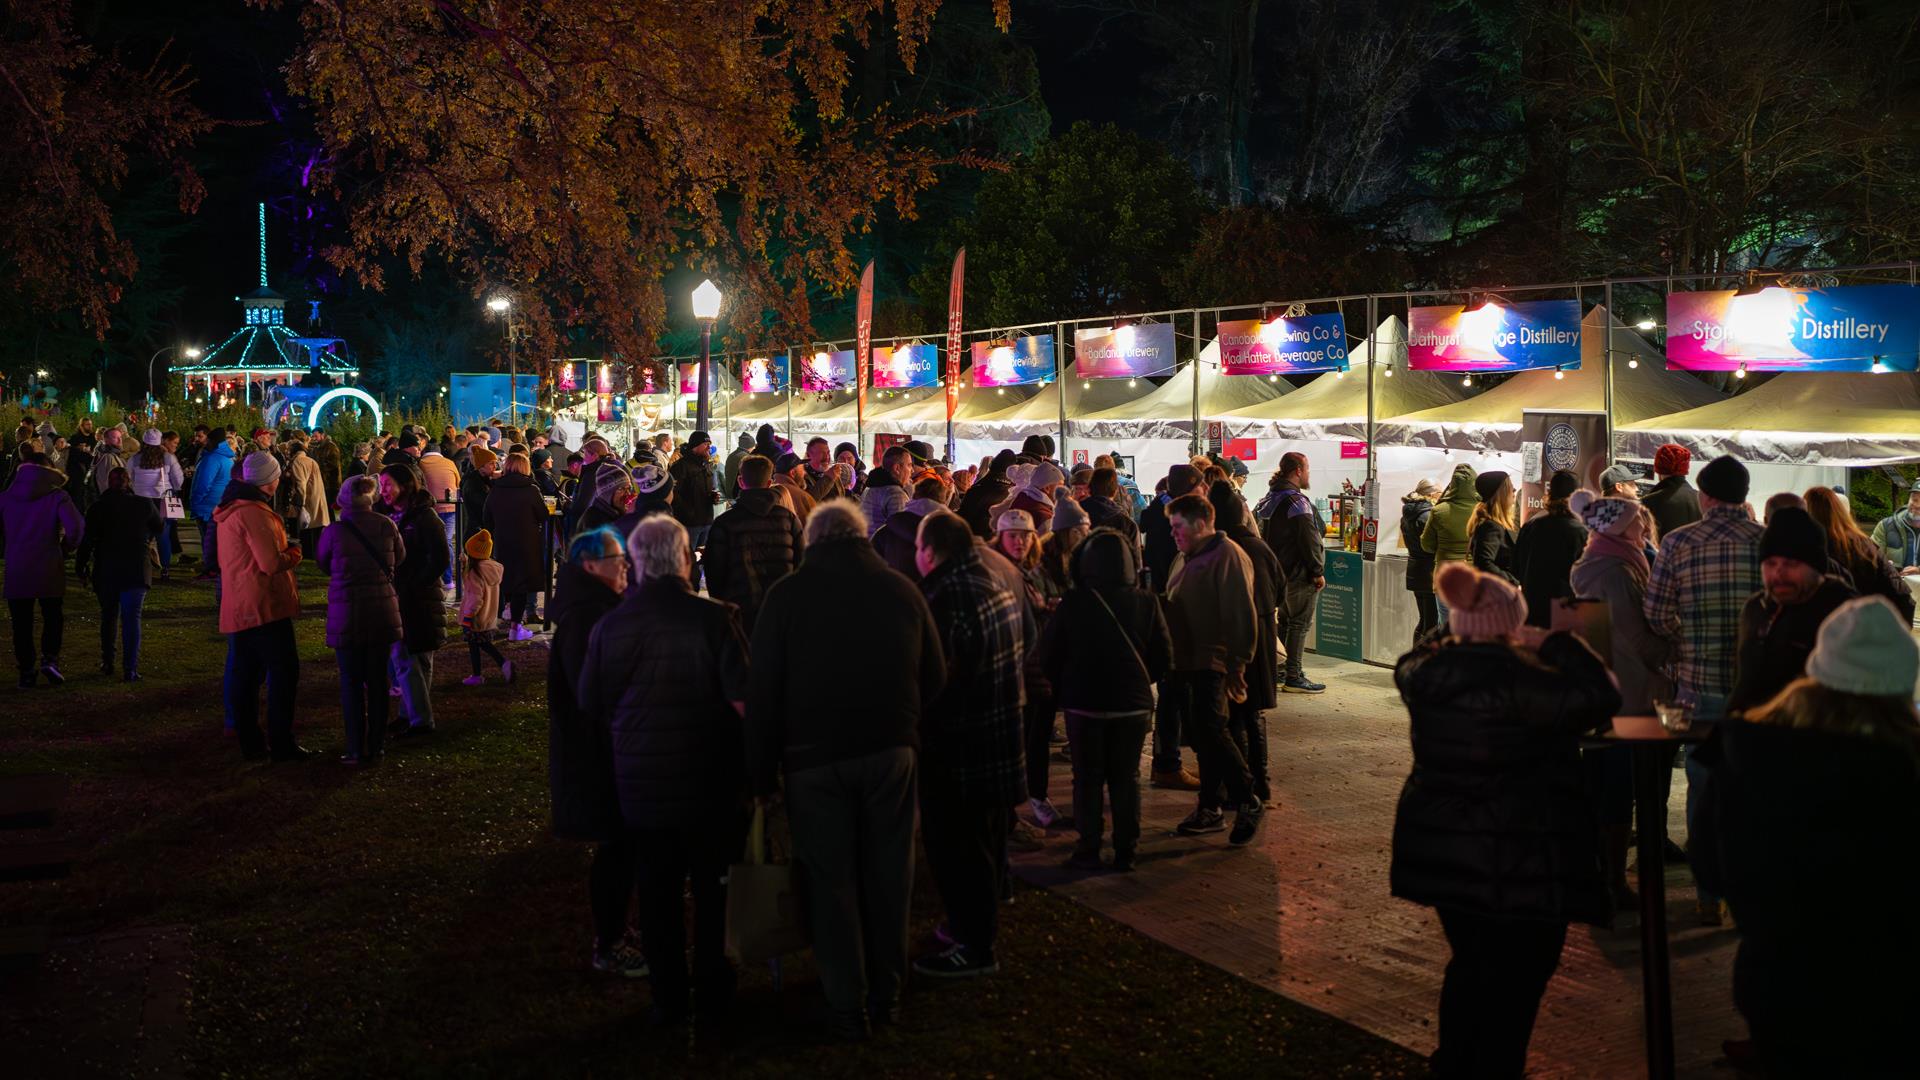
(155, 475)
(1493, 828)
(1812, 809)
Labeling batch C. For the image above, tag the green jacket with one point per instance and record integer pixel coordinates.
(1446, 531)
(1894, 533)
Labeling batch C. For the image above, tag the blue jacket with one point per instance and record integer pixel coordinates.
(210, 477)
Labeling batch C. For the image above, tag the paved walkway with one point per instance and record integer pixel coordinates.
(1305, 910)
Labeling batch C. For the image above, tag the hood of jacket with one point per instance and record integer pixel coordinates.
(239, 497)
(923, 507)
(512, 480)
(1105, 559)
(1460, 489)
(222, 449)
(35, 481)
(1229, 510)
(882, 478)
(487, 571)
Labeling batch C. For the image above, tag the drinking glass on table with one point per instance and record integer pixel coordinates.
(1673, 716)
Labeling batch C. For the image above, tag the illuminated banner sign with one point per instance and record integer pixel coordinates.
(1013, 362)
(825, 372)
(764, 374)
(1284, 346)
(690, 378)
(1782, 329)
(906, 367)
(1495, 337)
(1123, 352)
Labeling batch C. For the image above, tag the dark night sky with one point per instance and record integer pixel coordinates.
(236, 51)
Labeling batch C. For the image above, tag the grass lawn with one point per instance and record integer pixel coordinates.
(416, 918)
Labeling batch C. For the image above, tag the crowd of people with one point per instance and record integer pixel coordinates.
(1017, 611)
(1785, 634)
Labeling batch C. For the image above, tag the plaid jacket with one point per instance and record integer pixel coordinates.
(971, 735)
(1702, 579)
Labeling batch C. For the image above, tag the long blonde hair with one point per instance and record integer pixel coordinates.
(1806, 704)
(1500, 510)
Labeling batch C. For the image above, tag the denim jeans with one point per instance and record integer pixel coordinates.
(1708, 708)
(446, 522)
(263, 654)
(1222, 766)
(123, 608)
(165, 539)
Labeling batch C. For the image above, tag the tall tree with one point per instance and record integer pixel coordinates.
(74, 122)
(574, 151)
(1089, 224)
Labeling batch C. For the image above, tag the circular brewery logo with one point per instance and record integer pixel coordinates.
(1563, 448)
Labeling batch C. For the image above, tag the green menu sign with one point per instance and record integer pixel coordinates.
(1338, 629)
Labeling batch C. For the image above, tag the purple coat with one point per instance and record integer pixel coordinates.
(40, 525)
(362, 608)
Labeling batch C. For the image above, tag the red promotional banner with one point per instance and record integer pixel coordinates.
(956, 287)
(862, 342)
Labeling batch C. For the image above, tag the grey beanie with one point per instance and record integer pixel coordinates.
(260, 468)
(1866, 648)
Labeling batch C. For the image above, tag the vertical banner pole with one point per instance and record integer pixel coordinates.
(1194, 445)
(1373, 326)
(1606, 327)
(1060, 382)
(956, 287)
(862, 358)
(790, 383)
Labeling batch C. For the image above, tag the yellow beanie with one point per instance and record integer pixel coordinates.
(480, 545)
(483, 459)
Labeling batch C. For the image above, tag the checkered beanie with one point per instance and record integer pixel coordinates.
(1609, 515)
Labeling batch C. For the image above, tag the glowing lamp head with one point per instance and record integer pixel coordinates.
(706, 301)
(1633, 362)
(1645, 324)
(1387, 373)
(1741, 372)
(1558, 374)
(40, 374)
(1466, 380)
(499, 304)
(1478, 326)
(1123, 336)
(193, 353)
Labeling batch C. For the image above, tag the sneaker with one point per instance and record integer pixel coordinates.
(620, 959)
(472, 680)
(106, 668)
(1176, 780)
(506, 671)
(51, 670)
(955, 963)
(519, 633)
(1246, 823)
(1022, 838)
(131, 676)
(943, 934)
(1044, 815)
(1303, 685)
(27, 681)
(1201, 822)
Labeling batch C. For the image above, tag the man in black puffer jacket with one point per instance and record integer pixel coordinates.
(986, 493)
(666, 672)
(752, 545)
(1103, 649)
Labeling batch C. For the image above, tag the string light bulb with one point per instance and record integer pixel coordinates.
(1341, 374)
(1558, 374)
(1387, 374)
(1633, 362)
(1466, 380)
(1741, 372)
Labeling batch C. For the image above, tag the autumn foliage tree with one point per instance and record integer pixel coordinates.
(72, 123)
(572, 152)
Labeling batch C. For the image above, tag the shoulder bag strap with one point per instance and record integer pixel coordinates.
(1124, 636)
(368, 544)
